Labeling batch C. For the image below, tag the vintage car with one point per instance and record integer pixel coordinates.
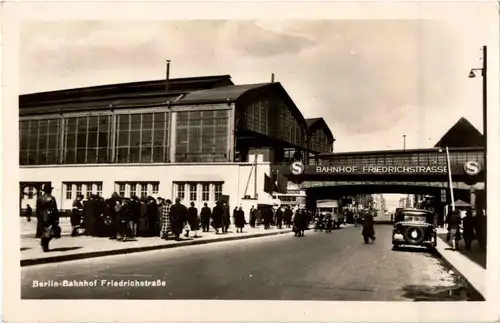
(414, 227)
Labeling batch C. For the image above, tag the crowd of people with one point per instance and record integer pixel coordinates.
(471, 227)
(124, 218)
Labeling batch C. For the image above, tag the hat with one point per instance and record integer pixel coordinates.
(47, 187)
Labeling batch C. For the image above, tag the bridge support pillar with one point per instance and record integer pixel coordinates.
(473, 198)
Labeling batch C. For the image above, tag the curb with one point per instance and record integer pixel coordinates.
(475, 292)
(95, 254)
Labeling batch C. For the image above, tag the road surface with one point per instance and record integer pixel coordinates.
(336, 266)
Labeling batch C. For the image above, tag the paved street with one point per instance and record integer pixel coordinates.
(319, 266)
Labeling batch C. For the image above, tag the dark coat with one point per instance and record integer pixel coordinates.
(253, 216)
(288, 214)
(76, 214)
(192, 218)
(205, 215)
(217, 214)
(469, 226)
(368, 226)
(178, 214)
(279, 216)
(239, 218)
(48, 215)
(91, 210)
(226, 218)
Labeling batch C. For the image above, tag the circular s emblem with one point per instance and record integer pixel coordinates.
(297, 168)
(472, 168)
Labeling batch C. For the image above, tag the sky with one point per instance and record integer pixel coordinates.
(373, 81)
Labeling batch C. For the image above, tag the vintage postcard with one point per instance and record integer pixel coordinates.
(260, 162)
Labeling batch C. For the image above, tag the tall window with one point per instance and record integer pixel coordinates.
(121, 190)
(142, 137)
(192, 192)
(129, 189)
(133, 189)
(155, 188)
(217, 191)
(144, 190)
(30, 192)
(201, 136)
(181, 190)
(87, 140)
(73, 190)
(205, 192)
(39, 142)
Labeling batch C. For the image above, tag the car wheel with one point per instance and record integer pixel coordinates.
(414, 235)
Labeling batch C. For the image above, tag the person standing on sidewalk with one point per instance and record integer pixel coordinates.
(454, 222)
(253, 217)
(29, 212)
(468, 224)
(178, 213)
(76, 215)
(279, 218)
(226, 218)
(192, 219)
(217, 214)
(205, 215)
(46, 207)
(368, 231)
(288, 215)
(239, 220)
(166, 223)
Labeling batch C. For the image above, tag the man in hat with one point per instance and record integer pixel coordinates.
(178, 213)
(48, 216)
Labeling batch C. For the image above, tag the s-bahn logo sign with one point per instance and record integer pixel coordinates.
(297, 168)
(472, 168)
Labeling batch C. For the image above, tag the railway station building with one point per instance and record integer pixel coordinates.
(201, 139)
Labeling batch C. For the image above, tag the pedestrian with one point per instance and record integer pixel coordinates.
(143, 223)
(217, 214)
(192, 219)
(299, 223)
(166, 224)
(76, 215)
(135, 213)
(468, 225)
(253, 217)
(112, 215)
(279, 218)
(454, 221)
(356, 218)
(205, 215)
(368, 231)
(90, 213)
(48, 215)
(178, 213)
(226, 218)
(239, 220)
(152, 211)
(288, 215)
(267, 215)
(29, 212)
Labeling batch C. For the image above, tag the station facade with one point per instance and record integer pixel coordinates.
(199, 139)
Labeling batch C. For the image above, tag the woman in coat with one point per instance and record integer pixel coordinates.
(454, 222)
(217, 214)
(368, 228)
(192, 219)
(239, 220)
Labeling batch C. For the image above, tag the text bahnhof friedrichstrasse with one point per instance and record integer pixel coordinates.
(99, 283)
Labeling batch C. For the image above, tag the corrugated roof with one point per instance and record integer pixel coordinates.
(311, 122)
(231, 92)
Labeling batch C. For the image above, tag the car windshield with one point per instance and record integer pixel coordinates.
(413, 216)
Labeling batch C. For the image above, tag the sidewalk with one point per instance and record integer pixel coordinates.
(471, 265)
(72, 248)
(28, 229)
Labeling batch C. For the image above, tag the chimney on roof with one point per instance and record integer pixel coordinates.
(167, 77)
(272, 77)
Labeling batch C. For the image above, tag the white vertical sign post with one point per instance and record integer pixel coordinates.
(450, 183)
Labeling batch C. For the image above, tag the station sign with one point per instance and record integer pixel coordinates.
(297, 168)
(472, 168)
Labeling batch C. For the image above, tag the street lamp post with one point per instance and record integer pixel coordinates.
(404, 142)
(484, 74)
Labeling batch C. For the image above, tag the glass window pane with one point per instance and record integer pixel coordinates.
(82, 124)
(102, 155)
(123, 122)
(134, 155)
(80, 156)
(92, 141)
(81, 140)
(53, 141)
(103, 139)
(42, 142)
(91, 155)
(70, 156)
(158, 154)
(122, 155)
(158, 136)
(123, 138)
(93, 123)
(53, 126)
(135, 138)
(71, 125)
(52, 157)
(146, 137)
(146, 154)
(135, 121)
(70, 141)
(147, 121)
